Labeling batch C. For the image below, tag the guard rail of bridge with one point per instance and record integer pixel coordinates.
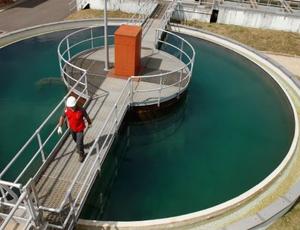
(145, 10)
(75, 77)
(180, 49)
(167, 15)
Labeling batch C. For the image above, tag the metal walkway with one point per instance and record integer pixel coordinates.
(55, 194)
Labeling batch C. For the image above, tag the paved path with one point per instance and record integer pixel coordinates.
(33, 12)
(290, 63)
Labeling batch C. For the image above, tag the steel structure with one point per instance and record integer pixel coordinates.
(19, 201)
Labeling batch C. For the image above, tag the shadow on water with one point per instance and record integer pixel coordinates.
(144, 123)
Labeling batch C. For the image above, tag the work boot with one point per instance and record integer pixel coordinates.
(81, 157)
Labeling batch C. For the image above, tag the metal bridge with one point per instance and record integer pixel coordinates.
(52, 186)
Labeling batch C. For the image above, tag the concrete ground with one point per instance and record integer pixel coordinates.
(28, 13)
(289, 62)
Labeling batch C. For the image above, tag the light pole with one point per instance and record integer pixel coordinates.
(106, 67)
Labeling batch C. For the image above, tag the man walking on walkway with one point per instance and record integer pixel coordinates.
(75, 116)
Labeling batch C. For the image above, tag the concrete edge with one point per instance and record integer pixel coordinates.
(173, 221)
(280, 206)
(284, 203)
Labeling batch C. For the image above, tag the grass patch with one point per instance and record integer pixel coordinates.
(264, 40)
(89, 13)
(290, 221)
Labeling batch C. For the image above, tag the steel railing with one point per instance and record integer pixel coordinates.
(145, 10)
(99, 148)
(36, 137)
(22, 213)
(168, 14)
(126, 98)
(70, 47)
(76, 80)
(182, 50)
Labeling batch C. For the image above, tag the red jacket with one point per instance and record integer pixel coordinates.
(75, 119)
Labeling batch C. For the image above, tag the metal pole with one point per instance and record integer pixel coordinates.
(41, 147)
(68, 48)
(105, 37)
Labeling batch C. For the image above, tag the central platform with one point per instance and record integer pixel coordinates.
(153, 64)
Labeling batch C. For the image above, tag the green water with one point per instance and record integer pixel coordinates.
(231, 131)
(30, 88)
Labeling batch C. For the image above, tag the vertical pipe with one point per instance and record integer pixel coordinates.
(179, 87)
(40, 145)
(31, 209)
(160, 89)
(181, 47)
(92, 38)
(68, 47)
(97, 148)
(72, 208)
(86, 84)
(156, 39)
(3, 194)
(131, 92)
(105, 37)
(116, 117)
(60, 66)
(33, 190)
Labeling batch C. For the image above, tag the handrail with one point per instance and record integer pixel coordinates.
(111, 112)
(143, 12)
(125, 99)
(168, 14)
(37, 131)
(92, 148)
(12, 212)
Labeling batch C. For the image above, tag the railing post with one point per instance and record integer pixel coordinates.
(116, 117)
(31, 209)
(41, 146)
(68, 47)
(97, 148)
(160, 89)
(72, 208)
(86, 84)
(181, 47)
(92, 38)
(98, 155)
(131, 92)
(60, 66)
(35, 197)
(155, 39)
(3, 194)
(32, 187)
(179, 87)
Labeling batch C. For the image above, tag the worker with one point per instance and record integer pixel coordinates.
(75, 115)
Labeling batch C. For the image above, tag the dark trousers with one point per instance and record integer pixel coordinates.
(78, 138)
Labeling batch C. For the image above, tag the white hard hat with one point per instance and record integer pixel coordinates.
(71, 101)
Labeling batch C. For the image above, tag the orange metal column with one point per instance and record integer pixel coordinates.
(128, 50)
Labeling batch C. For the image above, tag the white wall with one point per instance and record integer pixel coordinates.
(129, 6)
(259, 19)
(188, 12)
(227, 15)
